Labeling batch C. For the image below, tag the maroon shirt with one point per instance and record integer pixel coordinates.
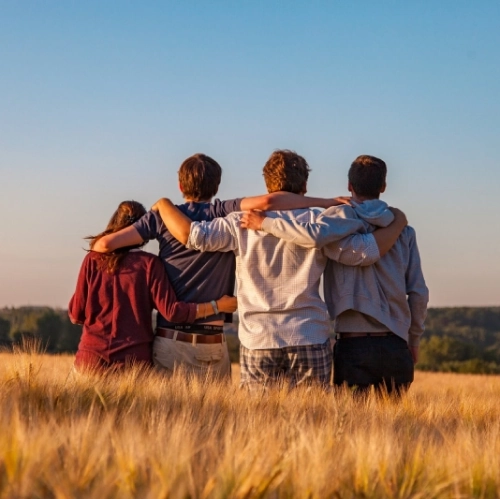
(115, 309)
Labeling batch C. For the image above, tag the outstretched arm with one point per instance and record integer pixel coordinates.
(204, 236)
(283, 200)
(333, 232)
(328, 227)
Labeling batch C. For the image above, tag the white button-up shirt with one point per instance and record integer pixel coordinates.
(278, 282)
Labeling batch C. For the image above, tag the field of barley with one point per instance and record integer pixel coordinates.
(143, 435)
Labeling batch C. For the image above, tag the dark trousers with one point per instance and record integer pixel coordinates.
(382, 362)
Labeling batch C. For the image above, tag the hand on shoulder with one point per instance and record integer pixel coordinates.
(162, 202)
(252, 219)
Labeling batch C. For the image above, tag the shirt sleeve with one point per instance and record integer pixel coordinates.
(416, 290)
(164, 298)
(217, 235)
(354, 250)
(149, 226)
(223, 208)
(330, 226)
(78, 303)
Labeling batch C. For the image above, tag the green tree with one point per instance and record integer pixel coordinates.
(48, 329)
(70, 336)
(4, 331)
(437, 350)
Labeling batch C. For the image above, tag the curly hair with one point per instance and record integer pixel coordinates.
(125, 215)
(285, 170)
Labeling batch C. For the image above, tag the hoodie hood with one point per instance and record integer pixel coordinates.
(375, 212)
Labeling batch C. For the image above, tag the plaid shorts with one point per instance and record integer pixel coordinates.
(301, 364)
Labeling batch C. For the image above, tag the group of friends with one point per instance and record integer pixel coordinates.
(277, 249)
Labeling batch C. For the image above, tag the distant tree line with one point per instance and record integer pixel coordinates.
(457, 339)
(461, 340)
(51, 326)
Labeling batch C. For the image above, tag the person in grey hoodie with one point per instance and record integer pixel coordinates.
(378, 310)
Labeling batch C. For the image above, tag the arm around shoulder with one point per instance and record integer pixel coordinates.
(283, 200)
(217, 235)
(328, 227)
(127, 237)
(175, 221)
(387, 236)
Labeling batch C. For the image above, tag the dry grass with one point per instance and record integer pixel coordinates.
(141, 435)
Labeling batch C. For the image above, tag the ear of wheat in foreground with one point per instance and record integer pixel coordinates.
(142, 435)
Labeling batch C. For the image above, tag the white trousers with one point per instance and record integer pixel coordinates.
(200, 359)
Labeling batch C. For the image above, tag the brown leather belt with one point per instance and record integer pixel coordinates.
(351, 335)
(192, 338)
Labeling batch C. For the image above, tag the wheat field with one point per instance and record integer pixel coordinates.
(143, 435)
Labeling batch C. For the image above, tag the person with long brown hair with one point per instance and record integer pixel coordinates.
(115, 295)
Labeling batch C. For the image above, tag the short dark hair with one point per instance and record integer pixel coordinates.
(367, 176)
(285, 170)
(199, 177)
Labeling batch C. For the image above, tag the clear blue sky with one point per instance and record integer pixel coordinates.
(101, 102)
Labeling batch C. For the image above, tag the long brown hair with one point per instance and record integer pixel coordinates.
(125, 215)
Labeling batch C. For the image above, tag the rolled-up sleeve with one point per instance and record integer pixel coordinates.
(217, 235)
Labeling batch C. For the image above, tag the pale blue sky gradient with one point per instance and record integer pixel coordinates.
(101, 102)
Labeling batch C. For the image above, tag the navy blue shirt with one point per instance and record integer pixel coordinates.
(195, 276)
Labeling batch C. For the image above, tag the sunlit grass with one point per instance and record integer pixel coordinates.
(142, 435)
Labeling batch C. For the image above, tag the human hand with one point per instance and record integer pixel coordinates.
(227, 304)
(339, 200)
(414, 353)
(99, 246)
(253, 220)
(156, 207)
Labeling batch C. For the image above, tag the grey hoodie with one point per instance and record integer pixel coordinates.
(392, 290)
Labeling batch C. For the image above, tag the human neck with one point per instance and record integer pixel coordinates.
(197, 201)
(360, 199)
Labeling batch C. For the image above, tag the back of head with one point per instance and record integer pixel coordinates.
(286, 171)
(199, 177)
(125, 215)
(367, 176)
